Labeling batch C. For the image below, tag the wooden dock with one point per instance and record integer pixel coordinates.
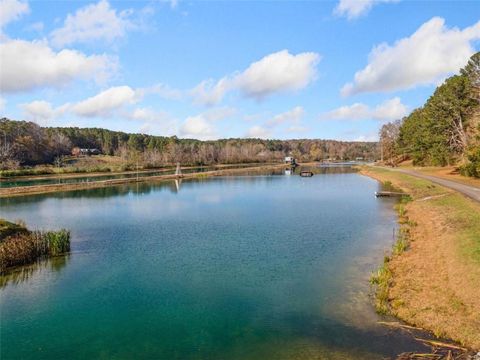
(389, 193)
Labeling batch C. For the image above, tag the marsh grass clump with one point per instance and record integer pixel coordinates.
(54, 242)
(402, 243)
(401, 210)
(381, 280)
(25, 247)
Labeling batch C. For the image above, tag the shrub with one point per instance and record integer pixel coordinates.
(472, 167)
(26, 247)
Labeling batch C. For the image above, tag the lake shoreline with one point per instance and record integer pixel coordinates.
(432, 281)
(83, 172)
(49, 188)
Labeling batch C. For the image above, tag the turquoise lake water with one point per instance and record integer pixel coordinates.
(269, 266)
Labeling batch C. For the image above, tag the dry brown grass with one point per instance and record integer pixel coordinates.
(436, 282)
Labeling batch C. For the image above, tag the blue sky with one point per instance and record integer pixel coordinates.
(215, 69)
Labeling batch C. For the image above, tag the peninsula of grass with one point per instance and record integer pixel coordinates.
(20, 246)
(432, 275)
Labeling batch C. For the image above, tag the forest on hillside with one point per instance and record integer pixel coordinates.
(445, 130)
(26, 143)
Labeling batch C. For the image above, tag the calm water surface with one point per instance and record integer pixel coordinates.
(247, 267)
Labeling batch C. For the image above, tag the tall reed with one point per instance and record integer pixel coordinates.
(26, 248)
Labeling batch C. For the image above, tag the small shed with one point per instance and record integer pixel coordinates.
(290, 160)
(89, 152)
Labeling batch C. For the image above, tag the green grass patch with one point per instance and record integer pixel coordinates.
(381, 280)
(464, 218)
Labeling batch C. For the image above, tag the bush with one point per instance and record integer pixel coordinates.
(26, 247)
(472, 167)
(23, 172)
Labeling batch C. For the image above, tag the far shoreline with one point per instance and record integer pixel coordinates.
(50, 188)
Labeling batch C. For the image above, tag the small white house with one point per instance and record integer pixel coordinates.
(290, 160)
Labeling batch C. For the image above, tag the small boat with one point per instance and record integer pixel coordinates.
(306, 173)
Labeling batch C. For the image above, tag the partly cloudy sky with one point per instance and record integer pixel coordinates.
(218, 69)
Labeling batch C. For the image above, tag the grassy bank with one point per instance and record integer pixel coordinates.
(20, 246)
(100, 164)
(74, 165)
(432, 277)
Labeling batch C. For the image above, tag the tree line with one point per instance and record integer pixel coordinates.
(445, 130)
(26, 143)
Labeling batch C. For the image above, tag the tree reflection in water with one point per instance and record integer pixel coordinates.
(23, 273)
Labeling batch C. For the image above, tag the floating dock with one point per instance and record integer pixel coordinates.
(389, 193)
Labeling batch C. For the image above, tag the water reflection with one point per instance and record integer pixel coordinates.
(76, 178)
(23, 273)
(142, 188)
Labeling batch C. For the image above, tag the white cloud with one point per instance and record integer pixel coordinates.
(356, 8)
(11, 10)
(197, 127)
(280, 71)
(391, 109)
(349, 112)
(429, 55)
(144, 114)
(38, 111)
(210, 93)
(29, 65)
(41, 111)
(287, 122)
(277, 72)
(202, 126)
(91, 23)
(106, 102)
(258, 132)
(153, 121)
(162, 90)
(147, 115)
(293, 117)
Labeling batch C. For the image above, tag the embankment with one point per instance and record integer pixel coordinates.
(434, 282)
(40, 189)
